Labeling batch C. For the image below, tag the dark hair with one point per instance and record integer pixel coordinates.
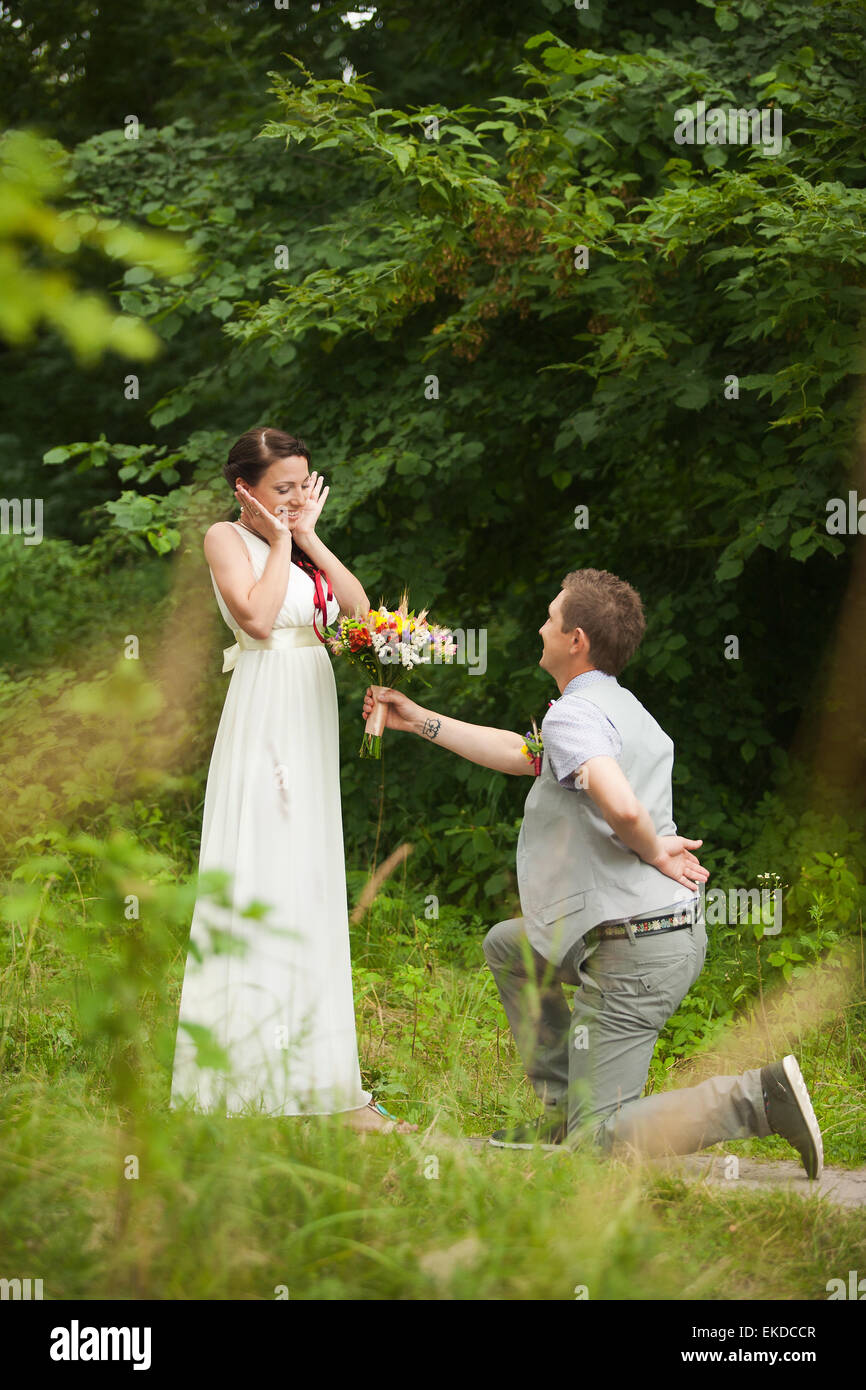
(249, 458)
(252, 455)
(610, 613)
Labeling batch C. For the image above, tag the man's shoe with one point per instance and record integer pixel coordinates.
(790, 1113)
(545, 1133)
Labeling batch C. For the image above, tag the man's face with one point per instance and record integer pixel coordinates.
(559, 647)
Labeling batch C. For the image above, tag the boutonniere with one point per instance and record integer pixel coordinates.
(533, 748)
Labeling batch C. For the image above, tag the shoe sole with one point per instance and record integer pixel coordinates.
(794, 1077)
(505, 1144)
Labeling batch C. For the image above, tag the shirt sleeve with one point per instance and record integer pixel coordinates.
(573, 731)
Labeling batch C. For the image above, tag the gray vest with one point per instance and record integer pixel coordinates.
(573, 871)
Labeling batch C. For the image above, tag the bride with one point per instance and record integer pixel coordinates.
(266, 1016)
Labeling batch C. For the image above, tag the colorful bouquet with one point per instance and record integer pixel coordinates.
(533, 748)
(388, 644)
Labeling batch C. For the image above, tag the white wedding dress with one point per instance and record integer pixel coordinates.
(282, 1010)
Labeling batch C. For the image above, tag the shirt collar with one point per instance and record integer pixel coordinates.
(586, 678)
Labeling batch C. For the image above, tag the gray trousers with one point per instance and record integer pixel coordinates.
(591, 1062)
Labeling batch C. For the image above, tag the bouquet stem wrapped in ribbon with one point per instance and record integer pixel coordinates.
(389, 645)
(375, 725)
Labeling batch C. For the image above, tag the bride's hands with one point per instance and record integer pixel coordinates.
(270, 526)
(305, 526)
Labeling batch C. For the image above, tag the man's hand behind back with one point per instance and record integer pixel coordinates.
(676, 860)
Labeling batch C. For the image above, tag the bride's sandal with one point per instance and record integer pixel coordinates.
(394, 1127)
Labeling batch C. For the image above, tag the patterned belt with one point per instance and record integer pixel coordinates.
(675, 922)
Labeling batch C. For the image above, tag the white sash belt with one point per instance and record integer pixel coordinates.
(281, 639)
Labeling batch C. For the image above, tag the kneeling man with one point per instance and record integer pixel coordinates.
(610, 903)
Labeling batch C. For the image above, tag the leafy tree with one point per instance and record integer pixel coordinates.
(349, 251)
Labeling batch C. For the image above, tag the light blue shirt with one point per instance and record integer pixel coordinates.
(574, 730)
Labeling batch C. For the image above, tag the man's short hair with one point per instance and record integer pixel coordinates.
(610, 613)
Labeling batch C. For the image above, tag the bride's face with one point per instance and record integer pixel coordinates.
(284, 487)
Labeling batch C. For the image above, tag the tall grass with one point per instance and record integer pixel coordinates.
(105, 1193)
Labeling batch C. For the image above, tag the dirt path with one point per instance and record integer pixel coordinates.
(845, 1187)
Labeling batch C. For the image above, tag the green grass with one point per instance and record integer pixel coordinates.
(247, 1208)
(256, 1209)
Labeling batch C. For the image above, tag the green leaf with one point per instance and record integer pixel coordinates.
(715, 157)
(495, 884)
(138, 275)
(693, 394)
(729, 569)
(208, 1052)
(403, 154)
(537, 39)
(804, 534)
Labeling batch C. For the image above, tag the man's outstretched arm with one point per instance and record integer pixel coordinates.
(478, 743)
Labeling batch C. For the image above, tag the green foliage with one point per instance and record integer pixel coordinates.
(56, 597)
(31, 170)
(454, 254)
(314, 253)
(410, 255)
(88, 1000)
